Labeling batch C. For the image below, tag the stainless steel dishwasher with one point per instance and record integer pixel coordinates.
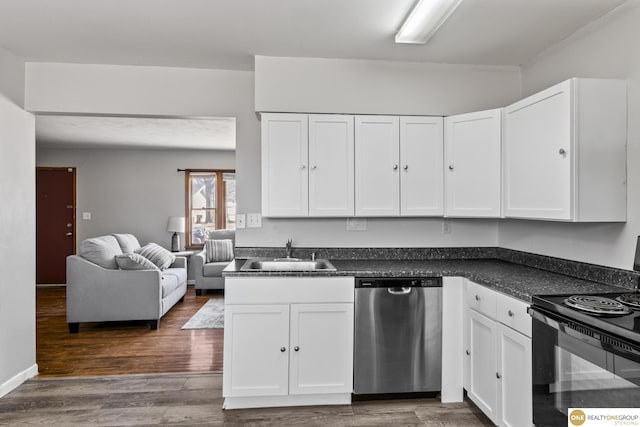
(398, 335)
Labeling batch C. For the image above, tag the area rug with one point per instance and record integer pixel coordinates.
(210, 316)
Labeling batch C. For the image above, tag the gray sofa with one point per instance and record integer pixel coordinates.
(98, 291)
(209, 275)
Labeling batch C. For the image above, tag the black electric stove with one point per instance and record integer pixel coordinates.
(617, 314)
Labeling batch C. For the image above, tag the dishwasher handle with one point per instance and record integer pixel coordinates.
(399, 291)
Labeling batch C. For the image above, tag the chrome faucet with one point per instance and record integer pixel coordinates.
(288, 248)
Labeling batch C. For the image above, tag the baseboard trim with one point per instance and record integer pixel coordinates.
(18, 379)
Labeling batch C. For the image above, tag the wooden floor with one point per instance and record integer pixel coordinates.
(123, 347)
(196, 400)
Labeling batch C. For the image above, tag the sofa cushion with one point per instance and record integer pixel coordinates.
(101, 251)
(222, 234)
(214, 269)
(219, 250)
(128, 242)
(130, 261)
(180, 273)
(169, 284)
(157, 255)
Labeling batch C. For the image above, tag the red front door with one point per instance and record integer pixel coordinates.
(55, 223)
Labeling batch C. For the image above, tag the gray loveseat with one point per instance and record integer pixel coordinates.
(98, 290)
(208, 275)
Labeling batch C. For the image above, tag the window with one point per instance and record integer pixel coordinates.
(211, 203)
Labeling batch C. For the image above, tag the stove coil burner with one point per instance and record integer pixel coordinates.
(597, 305)
(632, 300)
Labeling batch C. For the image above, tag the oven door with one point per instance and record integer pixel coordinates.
(578, 367)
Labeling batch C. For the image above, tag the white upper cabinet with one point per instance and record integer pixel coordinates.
(472, 164)
(331, 165)
(564, 153)
(421, 178)
(377, 162)
(285, 169)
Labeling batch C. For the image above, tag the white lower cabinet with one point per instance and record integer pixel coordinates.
(497, 369)
(287, 351)
(514, 369)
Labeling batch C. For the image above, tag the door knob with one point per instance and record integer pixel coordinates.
(395, 167)
(510, 313)
(468, 352)
(282, 349)
(562, 151)
(303, 166)
(314, 167)
(450, 167)
(69, 234)
(296, 348)
(498, 376)
(406, 167)
(477, 298)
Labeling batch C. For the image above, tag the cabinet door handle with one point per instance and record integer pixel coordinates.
(296, 348)
(498, 376)
(69, 234)
(468, 352)
(477, 297)
(450, 167)
(282, 349)
(510, 313)
(562, 151)
(395, 167)
(406, 167)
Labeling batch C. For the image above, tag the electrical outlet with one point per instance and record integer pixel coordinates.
(254, 220)
(86, 215)
(241, 220)
(446, 227)
(356, 224)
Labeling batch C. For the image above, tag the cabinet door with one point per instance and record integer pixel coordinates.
(538, 155)
(377, 163)
(331, 165)
(256, 350)
(514, 389)
(421, 153)
(472, 159)
(483, 383)
(285, 177)
(321, 348)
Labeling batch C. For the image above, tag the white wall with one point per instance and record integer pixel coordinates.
(17, 230)
(131, 191)
(316, 85)
(608, 48)
(81, 88)
(11, 77)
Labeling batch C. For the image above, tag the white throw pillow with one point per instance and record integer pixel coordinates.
(219, 250)
(134, 262)
(157, 255)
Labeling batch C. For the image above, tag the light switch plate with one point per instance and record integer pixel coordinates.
(86, 215)
(254, 220)
(356, 224)
(241, 220)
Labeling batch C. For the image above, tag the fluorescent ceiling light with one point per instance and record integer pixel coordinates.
(425, 19)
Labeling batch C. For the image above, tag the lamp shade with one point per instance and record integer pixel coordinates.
(176, 224)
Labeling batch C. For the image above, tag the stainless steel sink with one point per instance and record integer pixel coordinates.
(287, 264)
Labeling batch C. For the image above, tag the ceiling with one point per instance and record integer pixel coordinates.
(226, 34)
(211, 133)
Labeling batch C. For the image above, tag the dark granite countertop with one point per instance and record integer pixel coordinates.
(509, 278)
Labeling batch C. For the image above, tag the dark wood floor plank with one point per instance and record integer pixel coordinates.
(112, 348)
